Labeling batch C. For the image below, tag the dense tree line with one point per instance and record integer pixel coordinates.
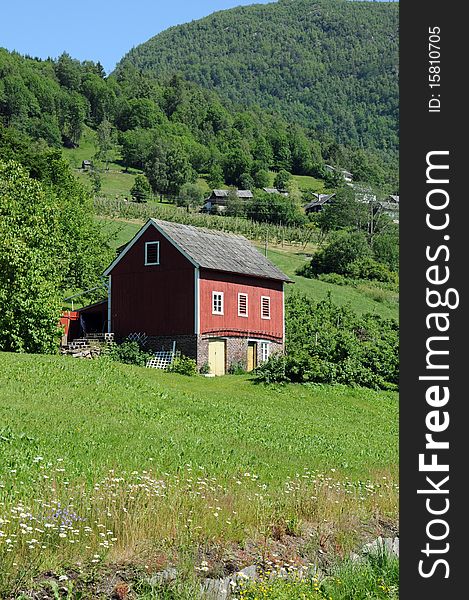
(50, 244)
(330, 65)
(170, 128)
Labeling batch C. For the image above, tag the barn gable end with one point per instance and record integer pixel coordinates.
(211, 293)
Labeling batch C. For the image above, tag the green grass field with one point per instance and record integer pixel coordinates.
(104, 463)
(116, 183)
(99, 415)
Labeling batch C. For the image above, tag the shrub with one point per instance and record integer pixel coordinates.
(368, 268)
(204, 369)
(386, 248)
(326, 343)
(184, 366)
(272, 370)
(334, 278)
(337, 256)
(348, 255)
(236, 368)
(129, 353)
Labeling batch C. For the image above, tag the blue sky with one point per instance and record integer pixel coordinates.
(101, 30)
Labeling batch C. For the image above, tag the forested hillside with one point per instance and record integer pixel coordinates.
(171, 128)
(330, 65)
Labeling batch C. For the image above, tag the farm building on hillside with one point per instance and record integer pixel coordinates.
(348, 177)
(318, 204)
(218, 199)
(212, 293)
(275, 191)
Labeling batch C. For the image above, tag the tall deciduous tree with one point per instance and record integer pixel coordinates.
(48, 244)
(30, 274)
(168, 168)
(105, 142)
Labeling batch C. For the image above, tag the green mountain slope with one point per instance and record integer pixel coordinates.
(329, 64)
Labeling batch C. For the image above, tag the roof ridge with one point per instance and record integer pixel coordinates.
(203, 229)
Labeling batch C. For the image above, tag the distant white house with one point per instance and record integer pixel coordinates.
(389, 206)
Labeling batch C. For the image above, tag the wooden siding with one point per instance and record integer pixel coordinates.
(157, 300)
(230, 323)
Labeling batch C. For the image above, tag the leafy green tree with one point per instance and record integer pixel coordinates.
(135, 147)
(262, 154)
(301, 157)
(237, 162)
(68, 72)
(30, 275)
(282, 179)
(101, 97)
(261, 179)
(235, 206)
(139, 113)
(45, 128)
(275, 208)
(48, 244)
(72, 118)
(386, 247)
(141, 189)
(215, 176)
(246, 182)
(344, 211)
(96, 180)
(105, 140)
(168, 168)
(190, 195)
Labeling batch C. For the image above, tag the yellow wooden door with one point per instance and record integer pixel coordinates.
(216, 357)
(252, 356)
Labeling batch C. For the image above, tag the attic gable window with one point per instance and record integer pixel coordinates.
(217, 303)
(265, 307)
(242, 305)
(152, 253)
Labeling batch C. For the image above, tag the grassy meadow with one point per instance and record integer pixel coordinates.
(116, 182)
(104, 464)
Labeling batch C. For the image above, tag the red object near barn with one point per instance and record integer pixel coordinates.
(70, 321)
(212, 293)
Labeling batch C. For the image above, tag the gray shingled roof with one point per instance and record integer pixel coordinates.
(239, 193)
(219, 251)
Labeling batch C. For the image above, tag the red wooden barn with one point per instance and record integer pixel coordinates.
(212, 293)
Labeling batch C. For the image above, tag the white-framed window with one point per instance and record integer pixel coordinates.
(152, 253)
(265, 307)
(265, 350)
(217, 303)
(242, 305)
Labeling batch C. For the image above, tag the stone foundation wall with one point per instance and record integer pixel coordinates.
(274, 348)
(196, 347)
(236, 350)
